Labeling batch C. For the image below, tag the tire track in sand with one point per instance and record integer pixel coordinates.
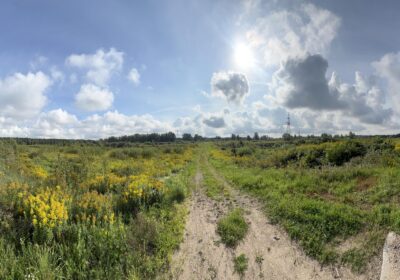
(202, 256)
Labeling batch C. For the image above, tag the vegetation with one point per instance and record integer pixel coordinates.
(114, 207)
(86, 211)
(322, 192)
(232, 228)
(214, 188)
(240, 264)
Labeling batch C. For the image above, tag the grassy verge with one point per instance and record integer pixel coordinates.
(232, 228)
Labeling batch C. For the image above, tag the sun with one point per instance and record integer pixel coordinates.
(243, 56)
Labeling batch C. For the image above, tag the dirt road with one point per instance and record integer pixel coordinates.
(271, 254)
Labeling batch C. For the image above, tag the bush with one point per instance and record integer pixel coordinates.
(314, 158)
(244, 151)
(344, 152)
(176, 193)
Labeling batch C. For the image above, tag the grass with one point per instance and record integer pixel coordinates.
(232, 228)
(214, 188)
(240, 264)
(319, 202)
(118, 217)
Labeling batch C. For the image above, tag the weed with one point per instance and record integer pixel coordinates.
(240, 264)
(232, 228)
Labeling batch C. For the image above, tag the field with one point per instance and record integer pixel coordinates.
(91, 211)
(337, 199)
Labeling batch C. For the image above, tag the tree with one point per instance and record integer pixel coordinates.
(326, 137)
(286, 136)
(256, 137)
(187, 137)
(197, 137)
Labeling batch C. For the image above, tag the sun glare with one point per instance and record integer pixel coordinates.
(243, 56)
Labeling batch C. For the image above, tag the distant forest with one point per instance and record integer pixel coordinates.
(169, 137)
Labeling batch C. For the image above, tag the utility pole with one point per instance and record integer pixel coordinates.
(288, 124)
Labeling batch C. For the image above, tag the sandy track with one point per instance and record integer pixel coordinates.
(201, 256)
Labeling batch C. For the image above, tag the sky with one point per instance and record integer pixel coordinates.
(98, 68)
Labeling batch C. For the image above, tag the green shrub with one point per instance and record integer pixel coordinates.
(244, 151)
(343, 152)
(314, 157)
(176, 192)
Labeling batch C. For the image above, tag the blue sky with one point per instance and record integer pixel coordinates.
(92, 69)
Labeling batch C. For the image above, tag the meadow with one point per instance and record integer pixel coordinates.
(96, 210)
(338, 198)
(87, 211)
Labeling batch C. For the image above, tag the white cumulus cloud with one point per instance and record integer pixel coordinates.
(290, 33)
(388, 68)
(93, 98)
(100, 66)
(23, 96)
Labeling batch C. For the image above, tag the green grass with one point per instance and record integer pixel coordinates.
(240, 264)
(214, 188)
(322, 205)
(137, 245)
(232, 228)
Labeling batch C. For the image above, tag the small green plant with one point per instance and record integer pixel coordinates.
(259, 259)
(232, 228)
(241, 264)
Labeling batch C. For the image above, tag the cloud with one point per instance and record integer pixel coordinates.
(100, 66)
(60, 117)
(61, 124)
(38, 62)
(292, 33)
(215, 122)
(134, 76)
(301, 83)
(93, 98)
(54, 124)
(23, 96)
(114, 123)
(388, 68)
(57, 75)
(363, 99)
(230, 85)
